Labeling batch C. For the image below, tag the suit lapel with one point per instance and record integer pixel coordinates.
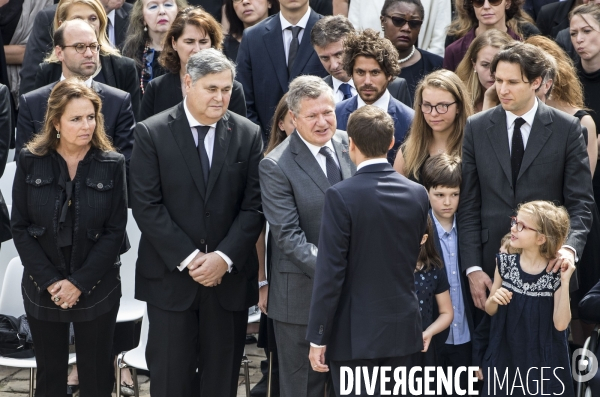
(341, 151)
(274, 43)
(537, 137)
(121, 19)
(108, 71)
(223, 134)
(498, 136)
(305, 160)
(306, 49)
(182, 134)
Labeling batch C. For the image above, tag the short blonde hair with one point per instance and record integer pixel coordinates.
(552, 221)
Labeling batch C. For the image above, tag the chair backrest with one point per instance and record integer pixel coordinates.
(11, 298)
(6, 182)
(129, 258)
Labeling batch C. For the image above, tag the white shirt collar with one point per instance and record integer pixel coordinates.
(337, 83)
(111, 16)
(528, 117)
(87, 82)
(382, 103)
(315, 149)
(365, 163)
(191, 120)
(302, 22)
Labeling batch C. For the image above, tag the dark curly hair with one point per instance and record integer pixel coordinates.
(369, 44)
(195, 16)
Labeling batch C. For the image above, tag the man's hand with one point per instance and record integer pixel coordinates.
(479, 281)
(208, 270)
(317, 359)
(263, 297)
(563, 254)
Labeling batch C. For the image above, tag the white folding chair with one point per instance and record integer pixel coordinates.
(134, 359)
(6, 182)
(131, 309)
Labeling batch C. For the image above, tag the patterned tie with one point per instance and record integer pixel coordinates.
(294, 45)
(345, 88)
(517, 150)
(334, 175)
(202, 131)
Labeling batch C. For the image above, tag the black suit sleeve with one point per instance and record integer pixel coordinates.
(123, 139)
(148, 101)
(400, 91)
(38, 45)
(589, 307)
(32, 255)
(6, 125)
(244, 76)
(130, 82)
(42, 76)
(25, 127)
(243, 232)
(544, 22)
(469, 212)
(105, 251)
(237, 104)
(149, 211)
(330, 272)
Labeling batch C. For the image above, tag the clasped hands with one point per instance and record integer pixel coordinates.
(208, 269)
(64, 294)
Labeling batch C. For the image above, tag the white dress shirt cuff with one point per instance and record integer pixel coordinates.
(226, 259)
(574, 252)
(184, 264)
(473, 269)
(317, 346)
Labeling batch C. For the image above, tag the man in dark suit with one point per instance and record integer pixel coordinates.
(116, 104)
(364, 311)
(520, 151)
(361, 54)
(272, 54)
(293, 178)
(533, 7)
(40, 39)
(6, 129)
(198, 207)
(554, 17)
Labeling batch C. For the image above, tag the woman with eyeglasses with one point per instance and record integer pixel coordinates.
(115, 70)
(193, 30)
(477, 16)
(242, 14)
(442, 106)
(149, 22)
(474, 69)
(401, 22)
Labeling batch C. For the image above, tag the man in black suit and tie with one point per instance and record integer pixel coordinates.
(519, 151)
(272, 54)
(364, 311)
(79, 63)
(196, 198)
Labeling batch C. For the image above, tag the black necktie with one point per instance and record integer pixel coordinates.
(294, 44)
(202, 131)
(517, 150)
(334, 175)
(345, 88)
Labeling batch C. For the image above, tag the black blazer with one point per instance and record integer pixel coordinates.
(177, 214)
(164, 92)
(398, 89)
(554, 17)
(99, 221)
(262, 67)
(119, 72)
(116, 108)
(533, 7)
(363, 301)
(6, 128)
(121, 24)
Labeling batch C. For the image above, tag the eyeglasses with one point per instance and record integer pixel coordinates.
(81, 48)
(441, 108)
(399, 22)
(480, 3)
(520, 226)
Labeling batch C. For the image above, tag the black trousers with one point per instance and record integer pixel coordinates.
(457, 356)
(94, 358)
(206, 337)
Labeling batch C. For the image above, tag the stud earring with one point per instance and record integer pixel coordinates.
(145, 28)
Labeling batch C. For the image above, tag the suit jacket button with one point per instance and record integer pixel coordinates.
(202, 241)
(320, 330)
(207, 214)
(38, 181)
(100, 186)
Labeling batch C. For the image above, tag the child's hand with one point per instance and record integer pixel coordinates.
(566, 270)
(502, 296)
(426, 340)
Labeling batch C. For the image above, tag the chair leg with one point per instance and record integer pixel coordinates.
(118, 377)
(245, 361)
(31, 380)
(270, 374)
(136, 386)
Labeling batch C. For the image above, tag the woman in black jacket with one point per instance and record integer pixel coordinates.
(192, 30)
(68, 224)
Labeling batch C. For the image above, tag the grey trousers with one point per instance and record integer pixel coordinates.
(296, 377)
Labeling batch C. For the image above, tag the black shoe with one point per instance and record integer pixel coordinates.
(260, 389)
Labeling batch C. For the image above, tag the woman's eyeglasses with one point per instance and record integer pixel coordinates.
(520, 226)
(480, 3)
(399, 22)
(441, 108)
